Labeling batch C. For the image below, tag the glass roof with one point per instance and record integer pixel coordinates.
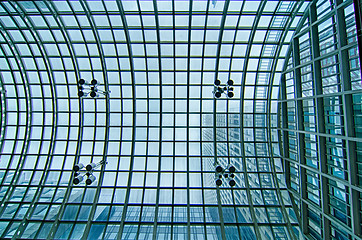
(158, 126)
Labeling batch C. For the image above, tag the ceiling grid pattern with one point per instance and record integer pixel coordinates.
(159, 127)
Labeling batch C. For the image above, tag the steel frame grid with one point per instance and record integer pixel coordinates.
(133, 85)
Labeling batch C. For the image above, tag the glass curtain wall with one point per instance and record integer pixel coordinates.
(321, 122)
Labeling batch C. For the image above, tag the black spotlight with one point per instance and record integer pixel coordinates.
(90, 166)
(93, 94)
(232, 183)
(90, 180)
(232, 175)
(77, 179)
(218, 169)
(218, 94)
(218, 182)
(226, 175)
(232, 169)
(81, 81)
(94, 82)
(78, 167)
(230, 94)
(80, 94)
(230, 82)
(217, 82)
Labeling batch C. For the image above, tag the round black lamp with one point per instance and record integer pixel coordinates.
(232, 169)
(90, 166)
(78, 167)
(77, 179)
(232, 183)
(93, 94)
(218, 182)
(90, 180)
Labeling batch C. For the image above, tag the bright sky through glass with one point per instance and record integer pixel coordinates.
(159, 128)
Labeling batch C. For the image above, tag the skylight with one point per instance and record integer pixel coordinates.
(159, 127)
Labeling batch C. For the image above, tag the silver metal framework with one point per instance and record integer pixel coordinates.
(160, 128)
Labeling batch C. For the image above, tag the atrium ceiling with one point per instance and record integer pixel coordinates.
(158, 125)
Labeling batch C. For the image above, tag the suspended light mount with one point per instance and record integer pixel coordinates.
(226, 89)
(86, 89)
(225, 173)
(80, 174)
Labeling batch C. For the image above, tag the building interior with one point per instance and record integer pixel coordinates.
(174, 119)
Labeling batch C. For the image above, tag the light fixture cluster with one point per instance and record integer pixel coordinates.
(91, 89)
(80, 174)
(227, 174)
(227, 89)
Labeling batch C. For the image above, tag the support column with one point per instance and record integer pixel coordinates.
(300, 135)
(319, 108)
(351, 149)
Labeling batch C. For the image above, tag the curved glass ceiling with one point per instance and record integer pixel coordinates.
(159, 127)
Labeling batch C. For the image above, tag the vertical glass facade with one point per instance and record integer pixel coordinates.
(321, 122)
(297, 151)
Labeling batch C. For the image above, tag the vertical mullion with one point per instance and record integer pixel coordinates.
(347, 104)
(174, 114)
(285, 140)
(300, 135)
(219, 200)
(284, 133)
(319, 109)
(132, 151)
(147, 127)
(160, 122)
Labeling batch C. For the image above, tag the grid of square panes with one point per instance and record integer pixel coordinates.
(159, 61)
(326, 139)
